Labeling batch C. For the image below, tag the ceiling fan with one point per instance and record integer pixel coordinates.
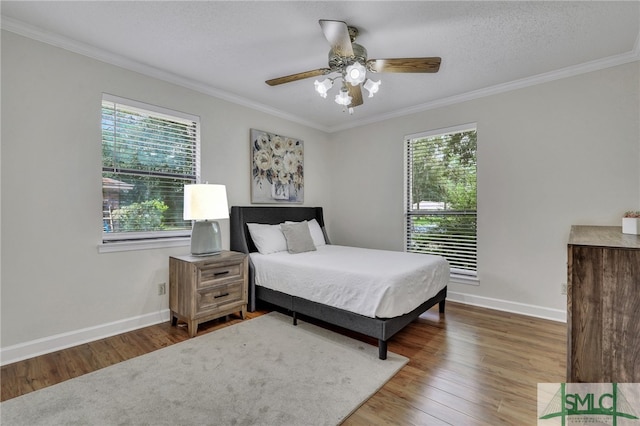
(349, 60)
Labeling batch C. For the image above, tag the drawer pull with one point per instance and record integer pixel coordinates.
(217, 274)
(220, 295)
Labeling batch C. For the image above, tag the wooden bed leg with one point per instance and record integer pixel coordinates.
(382, 349)
(295, 319)
(441, 307)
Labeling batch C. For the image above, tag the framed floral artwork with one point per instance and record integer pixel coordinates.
(277, 168)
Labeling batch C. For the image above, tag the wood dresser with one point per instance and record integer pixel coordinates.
(603, 305)
(206, 288)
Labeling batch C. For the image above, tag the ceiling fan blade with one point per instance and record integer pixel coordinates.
(337, 34)
(356, 95)
(298, 76)
(404, 65)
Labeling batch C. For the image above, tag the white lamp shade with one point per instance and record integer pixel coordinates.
(205, 202)
(343, 98)
(355, 74)
(323, 86)
(372, 87)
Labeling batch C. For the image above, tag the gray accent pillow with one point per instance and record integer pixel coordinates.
(298, 237)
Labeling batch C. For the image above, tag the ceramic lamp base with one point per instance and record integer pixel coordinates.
(205, 238)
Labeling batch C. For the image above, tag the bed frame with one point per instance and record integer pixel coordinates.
(380, 328)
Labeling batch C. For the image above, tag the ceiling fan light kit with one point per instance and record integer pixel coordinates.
(349, 60)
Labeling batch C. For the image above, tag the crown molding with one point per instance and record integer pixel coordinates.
(32, 32)
(112, 58)
(571, 71)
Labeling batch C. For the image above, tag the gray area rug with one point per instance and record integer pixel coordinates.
(262, 371)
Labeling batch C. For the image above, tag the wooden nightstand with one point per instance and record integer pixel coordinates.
(206, 288)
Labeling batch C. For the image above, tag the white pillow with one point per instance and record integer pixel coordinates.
(267, 238)
(316, 232)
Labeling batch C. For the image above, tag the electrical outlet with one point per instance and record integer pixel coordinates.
(563, 288)
(162, 289)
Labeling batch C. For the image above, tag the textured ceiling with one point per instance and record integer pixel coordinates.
(229, 48)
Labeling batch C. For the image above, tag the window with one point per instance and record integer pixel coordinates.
(148, 155)
(441, 196)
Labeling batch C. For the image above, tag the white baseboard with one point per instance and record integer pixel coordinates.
(559, 315)
(57, 342)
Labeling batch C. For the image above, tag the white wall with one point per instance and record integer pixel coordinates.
(549, 156)
(53, 279)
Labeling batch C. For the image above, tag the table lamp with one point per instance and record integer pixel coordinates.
(204, 203)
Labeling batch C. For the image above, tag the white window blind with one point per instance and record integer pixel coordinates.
(441, 213)
(148, 155)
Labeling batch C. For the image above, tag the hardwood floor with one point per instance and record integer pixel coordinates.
(470, 366)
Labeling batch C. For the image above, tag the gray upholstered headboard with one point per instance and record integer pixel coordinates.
(241, 241)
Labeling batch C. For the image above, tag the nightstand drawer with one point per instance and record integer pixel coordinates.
(215, 274)
(215, 297)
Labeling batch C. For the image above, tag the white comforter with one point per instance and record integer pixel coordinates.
(374, 283)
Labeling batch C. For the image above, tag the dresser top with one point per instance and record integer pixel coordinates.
(602, 236)
(222, 256)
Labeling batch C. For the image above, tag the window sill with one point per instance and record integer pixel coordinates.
(464, 279)
(143, 244)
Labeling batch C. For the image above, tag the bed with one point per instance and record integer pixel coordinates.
(373, 321)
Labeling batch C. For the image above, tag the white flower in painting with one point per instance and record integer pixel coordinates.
(290, 144)
(263, 141)
(284, 176)
(297, 180)
(277, 145)
(290, 162)
(262, 159)
(277, 164)
(298, 152)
